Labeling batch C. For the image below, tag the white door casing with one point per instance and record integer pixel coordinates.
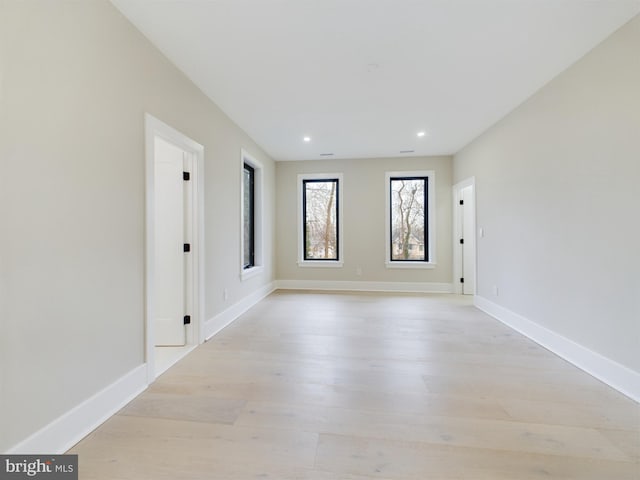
(193, 233)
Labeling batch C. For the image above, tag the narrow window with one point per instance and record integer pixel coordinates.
(251, 216)
(408, 219)
(249, 227)
(320, 207)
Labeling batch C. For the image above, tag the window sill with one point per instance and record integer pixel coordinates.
(410, 264)
(321, 263)
(251, 272)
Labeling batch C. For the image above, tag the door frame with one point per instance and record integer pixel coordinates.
(195, 335)
(457, 233)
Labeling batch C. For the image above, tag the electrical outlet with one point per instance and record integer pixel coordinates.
(225, 294)
(495, 290)
(358, 271)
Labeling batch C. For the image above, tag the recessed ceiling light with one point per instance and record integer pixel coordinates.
(422, 133)
(306, 139)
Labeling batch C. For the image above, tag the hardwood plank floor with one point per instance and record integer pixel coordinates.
(355, 386)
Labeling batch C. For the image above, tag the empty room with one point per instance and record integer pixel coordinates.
(320, 239)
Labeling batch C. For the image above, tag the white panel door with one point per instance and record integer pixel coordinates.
(169, 243)
(468, 247)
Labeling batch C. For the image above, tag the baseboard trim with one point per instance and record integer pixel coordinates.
(224, 318)
(404, 287)
(617, 376)
(71, 427)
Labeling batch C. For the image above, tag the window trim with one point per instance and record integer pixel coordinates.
(302, 178)
(258, 265)
(430, 220)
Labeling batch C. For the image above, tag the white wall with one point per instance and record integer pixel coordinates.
(557, 196)
(363, 201)
(77, 79)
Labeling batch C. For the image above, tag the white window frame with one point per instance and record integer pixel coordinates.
(431, 220)
(258, 268)
(321, 263)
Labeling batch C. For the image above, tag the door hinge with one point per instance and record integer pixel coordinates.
(462, 241)
(187, 319)
(461, 202)
(186, 247)
(461, 280)
(186, 176)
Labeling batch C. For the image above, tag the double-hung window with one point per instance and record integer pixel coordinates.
(409, 219)
(320, 214)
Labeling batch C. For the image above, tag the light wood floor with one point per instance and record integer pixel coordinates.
(328, 386)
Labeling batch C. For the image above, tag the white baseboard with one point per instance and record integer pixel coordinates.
(67, 430)
(406, 287)
(224, 318)
(617, 376)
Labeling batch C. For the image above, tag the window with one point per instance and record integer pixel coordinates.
(320, 213)
(251, 216)
(409, 230)
(320, 220)
(248, 205)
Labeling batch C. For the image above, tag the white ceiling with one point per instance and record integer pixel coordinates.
(362, 77)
